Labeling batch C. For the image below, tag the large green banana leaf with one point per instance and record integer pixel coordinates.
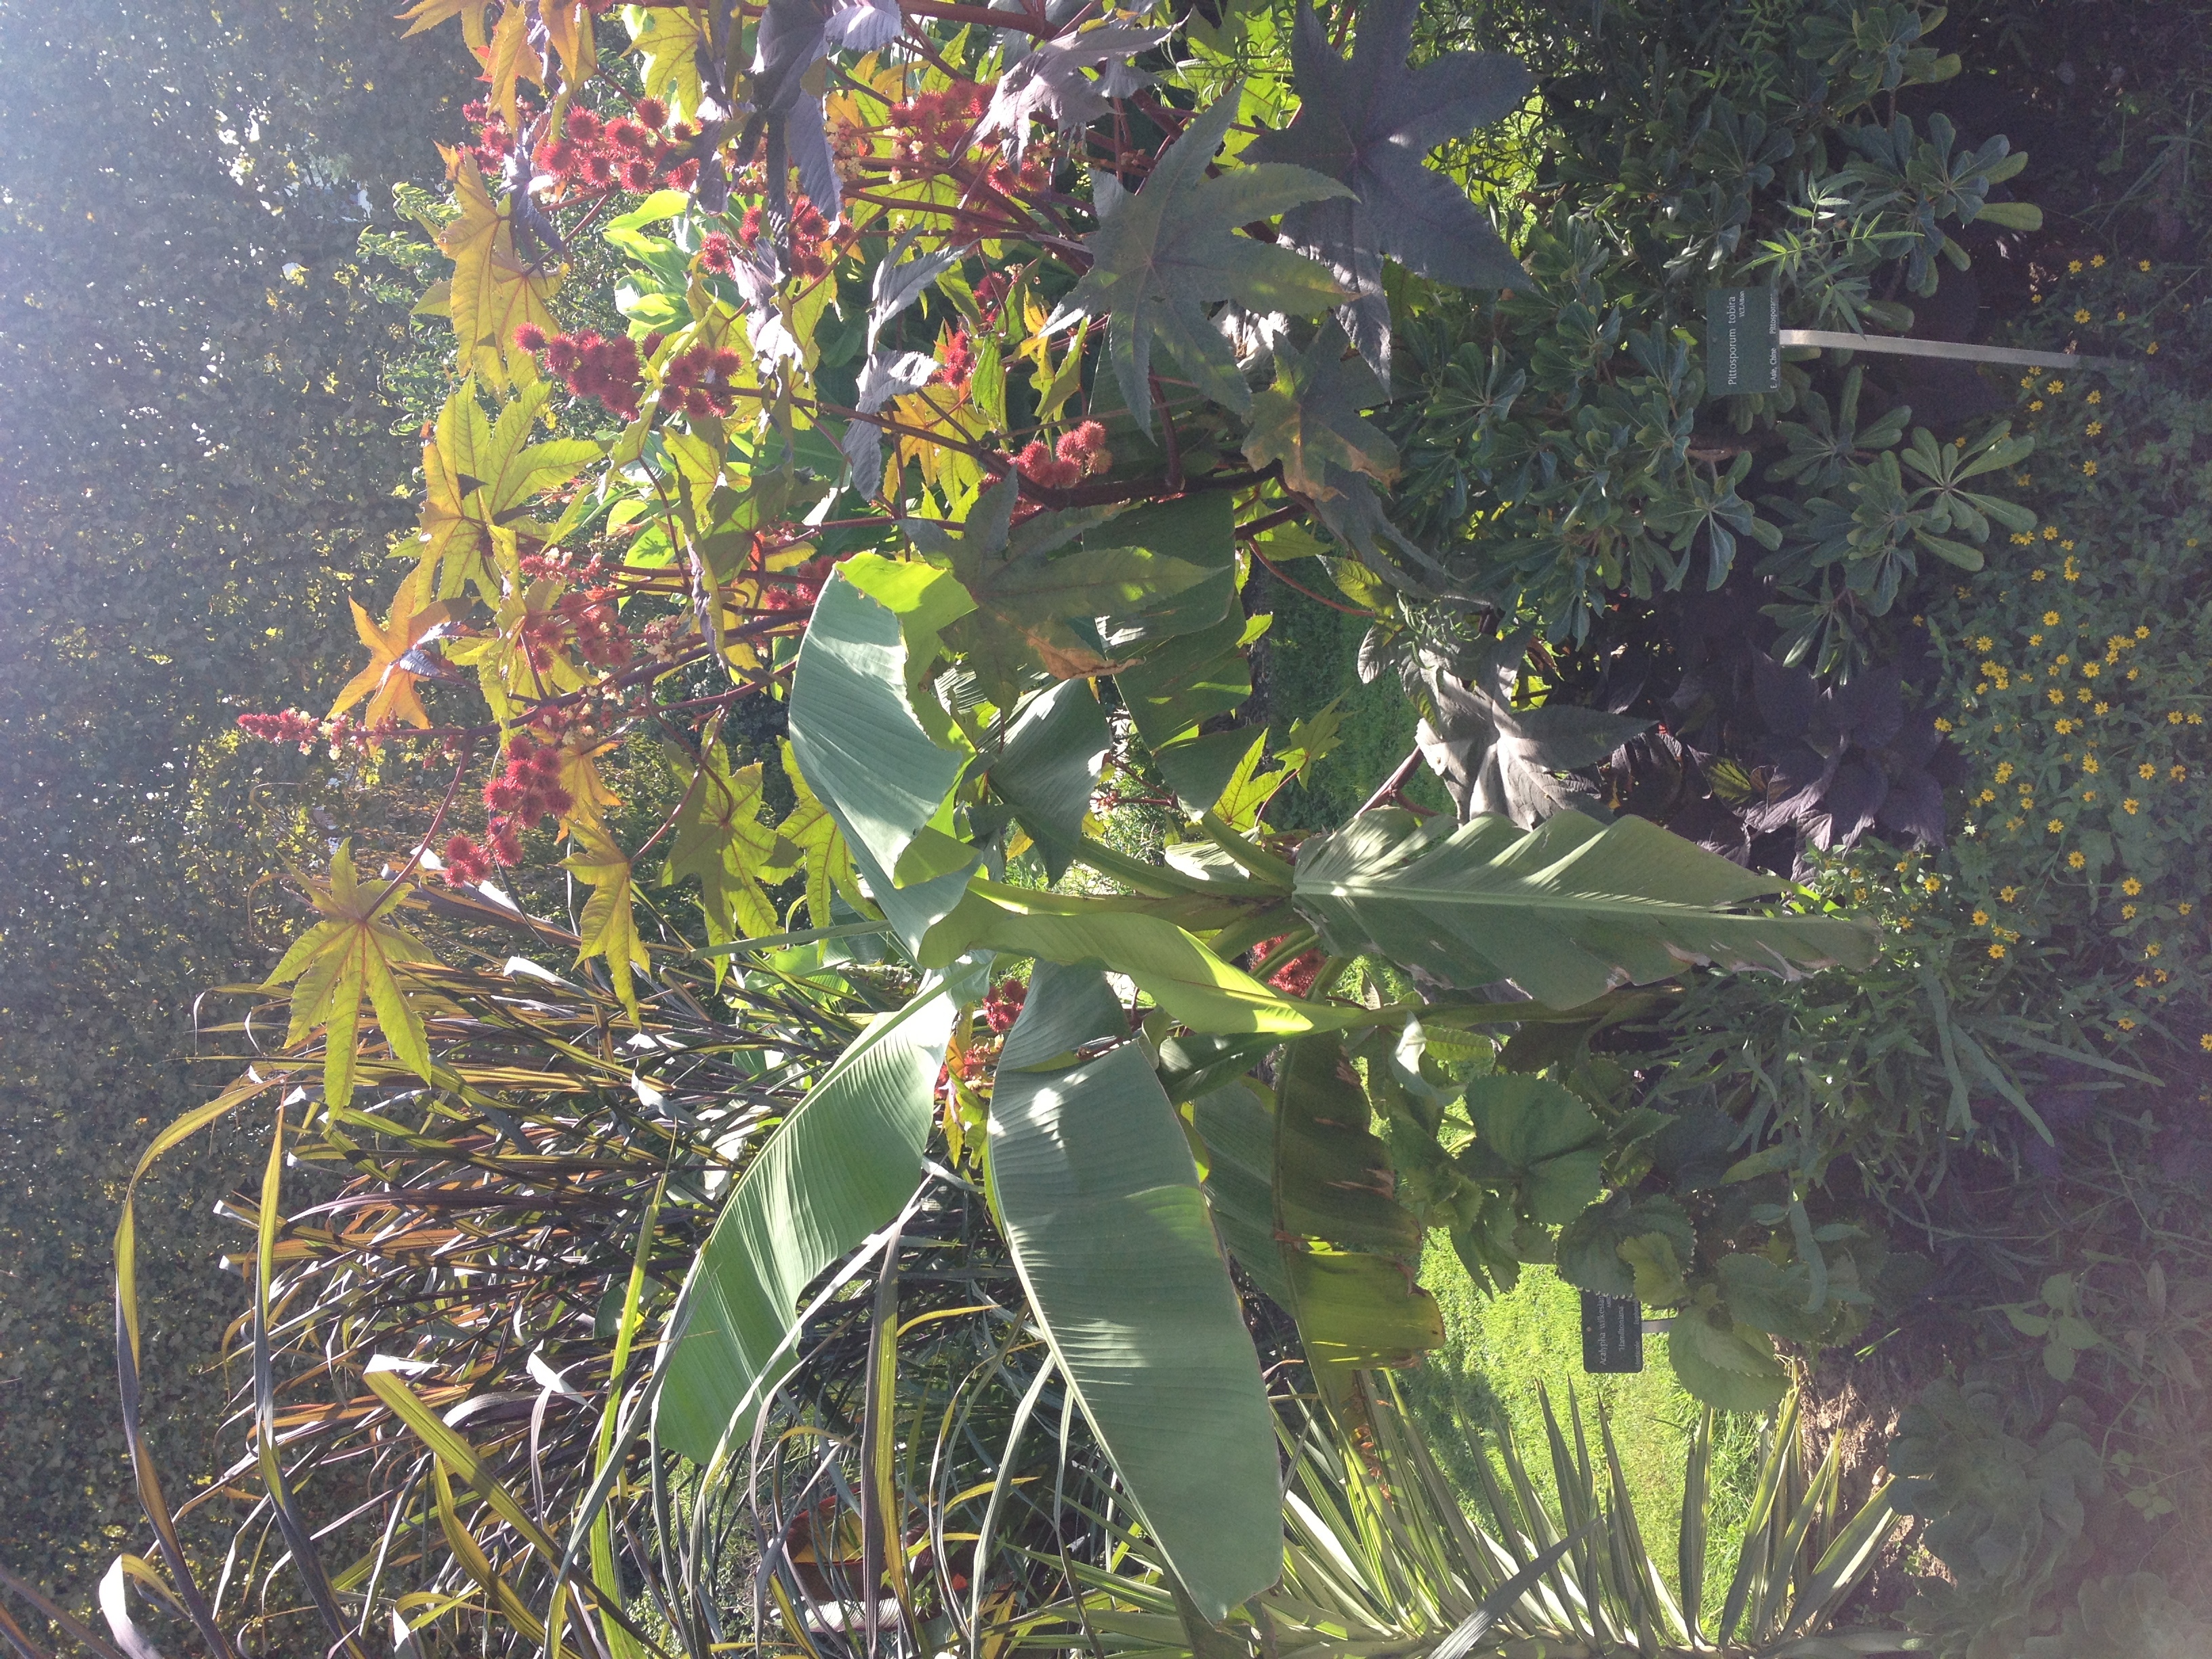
(1565, 911)
(856, 734)
(839, 1168)
(1093, 1180)
(1196, 987)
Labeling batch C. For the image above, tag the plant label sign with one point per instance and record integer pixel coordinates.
(1743, 341)
(1612, 1332)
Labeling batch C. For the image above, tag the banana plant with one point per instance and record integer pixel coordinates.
(1088, 1151)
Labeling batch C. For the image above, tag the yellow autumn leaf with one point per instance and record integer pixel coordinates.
(809, 838)
(428, 14)
(568, 27)
(720, 840)
(494, 291)
(354, 951)
(479, 476)
(669, 41)
(387, 684)
(510, 60)
(608, 927)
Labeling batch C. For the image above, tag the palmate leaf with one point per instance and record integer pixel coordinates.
(1163, 254)
(1369, 123)
(478, 476)
(354, 951)
(1092, 1179)
(808, 839)
(608, 926)
(720, 839)
(387, 679)
(1565, 911)
(1309, 419)
(495, 291)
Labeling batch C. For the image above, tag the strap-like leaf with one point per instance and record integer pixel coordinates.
(835, 1170)
(1093, 1181)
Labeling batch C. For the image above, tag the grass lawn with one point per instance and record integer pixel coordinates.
(1502, 1352)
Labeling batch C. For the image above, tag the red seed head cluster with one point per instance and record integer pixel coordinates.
(592, 156)
(991, 296)
(956, 358)
(1294, 976)
(931, 127)
(601, 638)
(811, 234)
(590, 366)
(494, 140)
(526, 793)
(466, 862)
(1079, 454)
(699, 382)
(1004, 1004)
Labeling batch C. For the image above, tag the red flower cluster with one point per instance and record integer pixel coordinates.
(697, 382)
(466, 863)
(1294, 977)
(591, 155)
(1004, 1004)
(933, 127)
(292, 726)
(1077, 455)
(957, 359)
(591, 366)
(524, 795)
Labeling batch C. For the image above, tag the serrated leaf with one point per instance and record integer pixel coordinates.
(1532, 1135)
(1726, 1366)
(1589, 1247)
(808, 839)
(608, 926)
(1308, 419)
(1369, 123)
(494, 291)
(387, 680)
(354, 951)
(669, 41)
(720, 840)
(1163, 254)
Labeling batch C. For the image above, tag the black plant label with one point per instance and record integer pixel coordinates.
(1743, 341)
(1612, 1332)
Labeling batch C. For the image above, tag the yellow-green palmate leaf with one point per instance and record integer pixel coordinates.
(495, 291)
(386, 681)
(478, 476)
(1565, 911)
(354, 950)
(1093, 1181)
(720, 839)
(608, 926)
